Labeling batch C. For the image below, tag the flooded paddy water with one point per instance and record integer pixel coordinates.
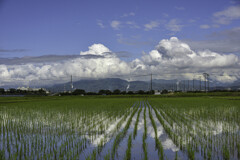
(142, 129)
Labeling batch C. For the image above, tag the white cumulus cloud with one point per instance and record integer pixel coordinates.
(171, 58)
(96, 49)
(174, 57)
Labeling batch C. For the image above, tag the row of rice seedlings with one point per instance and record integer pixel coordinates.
(129, 146)
(199, 136)
(38, 144)
(174, 136)
(136, 123)
(211, 141)
(203, 134)
(104, 139)
(97, 122)
(186, 127)
(167, 128)
(36, 125)
(144, 137)
(99, 128)
(107, 156)
(122, 134)
(186, 132)
(157, 142)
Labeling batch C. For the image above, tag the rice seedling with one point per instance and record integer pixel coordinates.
(94, 128)
(40, 129)
(136, 124)
(129, 146)
(107, 156)
(122, 134)
(176, 156)
(145, 135)
(201, 124)
(158, 143)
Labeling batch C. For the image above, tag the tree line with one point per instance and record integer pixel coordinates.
(13, 91)
(105, 92)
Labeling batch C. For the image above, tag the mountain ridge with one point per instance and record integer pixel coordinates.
(124, 85)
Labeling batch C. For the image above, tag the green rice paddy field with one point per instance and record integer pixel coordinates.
(107, 127)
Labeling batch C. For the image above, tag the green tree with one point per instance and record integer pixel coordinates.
(140, 92)
(164, 91)
(116, 91)
(2, 91)
(79, 92)
(130, 92)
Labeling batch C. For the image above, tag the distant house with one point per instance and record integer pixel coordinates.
(32, 89)
(157, 92)
(23, 88)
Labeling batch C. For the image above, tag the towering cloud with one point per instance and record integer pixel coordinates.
(173, 57)
(96, 49)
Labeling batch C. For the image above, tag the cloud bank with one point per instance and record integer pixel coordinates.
(171, 58)
(228, 15)
(226, 41)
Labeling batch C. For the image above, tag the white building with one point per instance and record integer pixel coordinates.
(157, 92)
(23, 88)
(32, 89)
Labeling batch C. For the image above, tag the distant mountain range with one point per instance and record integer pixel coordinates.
(123, 85)
(106, 84)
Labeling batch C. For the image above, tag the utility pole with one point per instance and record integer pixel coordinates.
(180, 85)
(71, 84)
(205, 82)
(206, 79)
(184, 86)
(193, 85)
(200, 87)
(173, 86)
(151, 83)
(188, 85)
(208, 82)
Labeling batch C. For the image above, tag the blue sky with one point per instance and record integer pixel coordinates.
(34, 28)
(42, 39)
